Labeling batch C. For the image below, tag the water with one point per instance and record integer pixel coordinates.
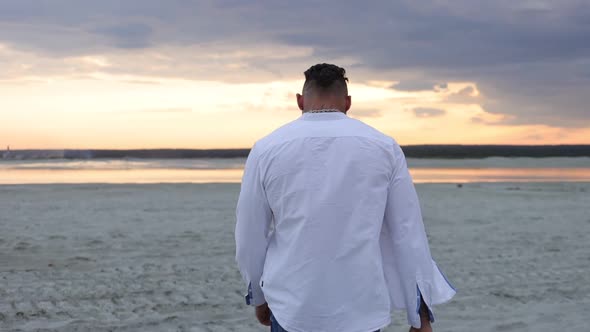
(230, 170)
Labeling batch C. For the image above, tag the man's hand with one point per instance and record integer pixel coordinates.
(424, 319)
(263, 314)
(424, 328)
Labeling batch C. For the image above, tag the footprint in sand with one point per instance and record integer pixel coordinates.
(22, 246)
(81, 259)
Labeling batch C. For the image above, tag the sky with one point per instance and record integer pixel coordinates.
(78, 74)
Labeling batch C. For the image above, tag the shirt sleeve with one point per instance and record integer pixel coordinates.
(409, 270)
(253, 219)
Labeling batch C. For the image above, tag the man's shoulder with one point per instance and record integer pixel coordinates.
(386, 141)
(290, 130)
(277, 135)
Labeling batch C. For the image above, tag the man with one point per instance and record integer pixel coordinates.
(329, 233)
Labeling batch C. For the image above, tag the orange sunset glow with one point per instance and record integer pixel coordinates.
(108, 111)
(83, 87)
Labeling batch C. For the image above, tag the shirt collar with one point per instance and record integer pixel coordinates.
(323, 116)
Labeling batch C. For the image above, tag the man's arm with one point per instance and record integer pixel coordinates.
(253, 218)
(414, 281)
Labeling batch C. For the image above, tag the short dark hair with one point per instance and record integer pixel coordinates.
(326, 78)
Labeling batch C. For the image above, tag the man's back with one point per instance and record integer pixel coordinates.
(326, 179)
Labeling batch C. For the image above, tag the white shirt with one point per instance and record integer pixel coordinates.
(329, 230)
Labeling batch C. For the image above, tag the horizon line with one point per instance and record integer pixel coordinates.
(248, 148)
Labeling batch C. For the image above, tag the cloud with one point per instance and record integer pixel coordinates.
(128, 35)
(415, 85)
(207, 62)
(425, 112)
(366, 113)
(467, 95)
(527, 59)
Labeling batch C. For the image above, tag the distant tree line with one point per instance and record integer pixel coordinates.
(411, 151)
(483, 151)
(166, 153)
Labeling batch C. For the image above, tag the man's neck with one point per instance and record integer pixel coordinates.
(323, 108)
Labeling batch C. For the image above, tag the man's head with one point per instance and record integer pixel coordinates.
(325, 87)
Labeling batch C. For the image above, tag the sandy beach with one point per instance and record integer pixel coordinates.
(160, 257)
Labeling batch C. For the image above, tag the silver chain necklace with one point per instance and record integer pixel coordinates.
(324, 110)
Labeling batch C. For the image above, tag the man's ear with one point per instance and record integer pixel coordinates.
(348, 102)
(300, 101)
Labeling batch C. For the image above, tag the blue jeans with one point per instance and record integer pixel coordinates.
(275, 327)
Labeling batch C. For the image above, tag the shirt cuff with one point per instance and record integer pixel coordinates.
(254, 296)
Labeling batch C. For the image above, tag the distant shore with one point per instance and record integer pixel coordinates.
(411, 151)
